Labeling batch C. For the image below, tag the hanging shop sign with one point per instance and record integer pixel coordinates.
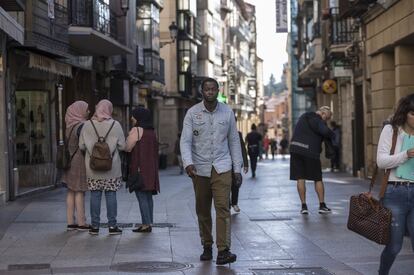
(281, 16)
(232, 78)
(329, 86)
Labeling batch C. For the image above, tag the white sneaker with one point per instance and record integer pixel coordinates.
(236, 208)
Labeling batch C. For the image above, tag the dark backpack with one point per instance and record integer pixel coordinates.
(101, 157)
(64, 158)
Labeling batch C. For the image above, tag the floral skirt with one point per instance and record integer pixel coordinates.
(104, 184)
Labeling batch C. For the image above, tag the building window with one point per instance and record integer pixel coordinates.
(148, 26)
(188, 5)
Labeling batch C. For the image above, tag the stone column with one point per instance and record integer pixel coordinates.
(382, 93)
(404, 67)
(4, 159)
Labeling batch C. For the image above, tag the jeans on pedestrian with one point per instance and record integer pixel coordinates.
(146, 206)
(111, 207)
(400, 200)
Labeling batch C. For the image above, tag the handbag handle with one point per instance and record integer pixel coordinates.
(386, 176)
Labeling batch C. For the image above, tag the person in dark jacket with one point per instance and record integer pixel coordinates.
(305, 150)
(143, 145)
(336, 143)
(235, 186)
(284, 144)
(253, 140)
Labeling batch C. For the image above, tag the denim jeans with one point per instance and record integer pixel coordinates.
(111, 207)
(400, 200)
(146, 206)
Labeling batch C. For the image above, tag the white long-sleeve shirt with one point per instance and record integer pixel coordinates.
(384, 159)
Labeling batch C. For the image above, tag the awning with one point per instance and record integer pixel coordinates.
(11, 27)
(49, 65)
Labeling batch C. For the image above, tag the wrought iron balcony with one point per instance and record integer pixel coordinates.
(341, 31)
(95, 14)
(93, 28)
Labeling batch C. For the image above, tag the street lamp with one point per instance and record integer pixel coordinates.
(173, 34)
(124, 6)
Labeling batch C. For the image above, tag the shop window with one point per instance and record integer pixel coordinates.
(32, 128)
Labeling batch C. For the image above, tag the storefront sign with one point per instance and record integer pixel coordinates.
(232, 77)
(329, 86)
(49, 65)
(281, 16)
(340, 71)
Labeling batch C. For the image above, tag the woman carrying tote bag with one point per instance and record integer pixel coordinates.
(399, 194)
(143, 145)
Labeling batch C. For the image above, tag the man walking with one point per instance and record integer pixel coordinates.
(305, 149)
(253, 140)
(210, 148)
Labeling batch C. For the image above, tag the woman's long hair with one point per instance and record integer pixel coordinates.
(405, 105)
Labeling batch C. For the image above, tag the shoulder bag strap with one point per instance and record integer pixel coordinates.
(387, 172)
(112, 125)
(96, 132)
(70, 134)
(77, 147)
(138, 146)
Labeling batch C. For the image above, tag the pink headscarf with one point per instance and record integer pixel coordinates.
(103, 110)
(77, 112)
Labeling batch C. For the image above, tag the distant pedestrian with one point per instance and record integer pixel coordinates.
(235, 186)
(266, 143)
(107, 130)
(210, 147)
(143, 145)
(273, 147)
(305, 149)
(399, 195)
(336, 143)
(74, 178)
(284, 144)
(253, 140)
(177, 152)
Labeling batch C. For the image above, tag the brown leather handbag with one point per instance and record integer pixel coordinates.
(367, 216)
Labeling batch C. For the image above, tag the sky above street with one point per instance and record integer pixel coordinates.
(271, 45)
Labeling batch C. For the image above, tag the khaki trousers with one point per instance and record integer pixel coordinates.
(206, 189)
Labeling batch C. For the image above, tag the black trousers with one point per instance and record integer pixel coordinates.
(253, 162)
(234, 194)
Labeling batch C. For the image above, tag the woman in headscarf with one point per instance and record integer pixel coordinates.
(110, 181)
(74, 178)
(143, 145)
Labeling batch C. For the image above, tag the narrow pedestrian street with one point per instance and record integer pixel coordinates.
(268, 233)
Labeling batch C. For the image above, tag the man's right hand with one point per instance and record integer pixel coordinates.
(191, 171)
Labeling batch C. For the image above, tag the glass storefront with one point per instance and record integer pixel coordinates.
(33, 140)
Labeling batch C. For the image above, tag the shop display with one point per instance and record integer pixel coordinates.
(32, 128)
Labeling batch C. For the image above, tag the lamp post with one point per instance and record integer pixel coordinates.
(124, 6)
(173, 34)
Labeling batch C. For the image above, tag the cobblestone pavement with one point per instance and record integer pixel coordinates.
(269, 235)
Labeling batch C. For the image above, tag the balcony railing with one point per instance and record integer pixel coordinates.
(95, 14)
(341, 31)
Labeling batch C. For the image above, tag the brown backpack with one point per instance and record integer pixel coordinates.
(101, 157)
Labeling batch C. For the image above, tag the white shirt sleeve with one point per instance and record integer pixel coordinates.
(384, 159)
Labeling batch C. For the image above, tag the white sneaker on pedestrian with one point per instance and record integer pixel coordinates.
(236, 208)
